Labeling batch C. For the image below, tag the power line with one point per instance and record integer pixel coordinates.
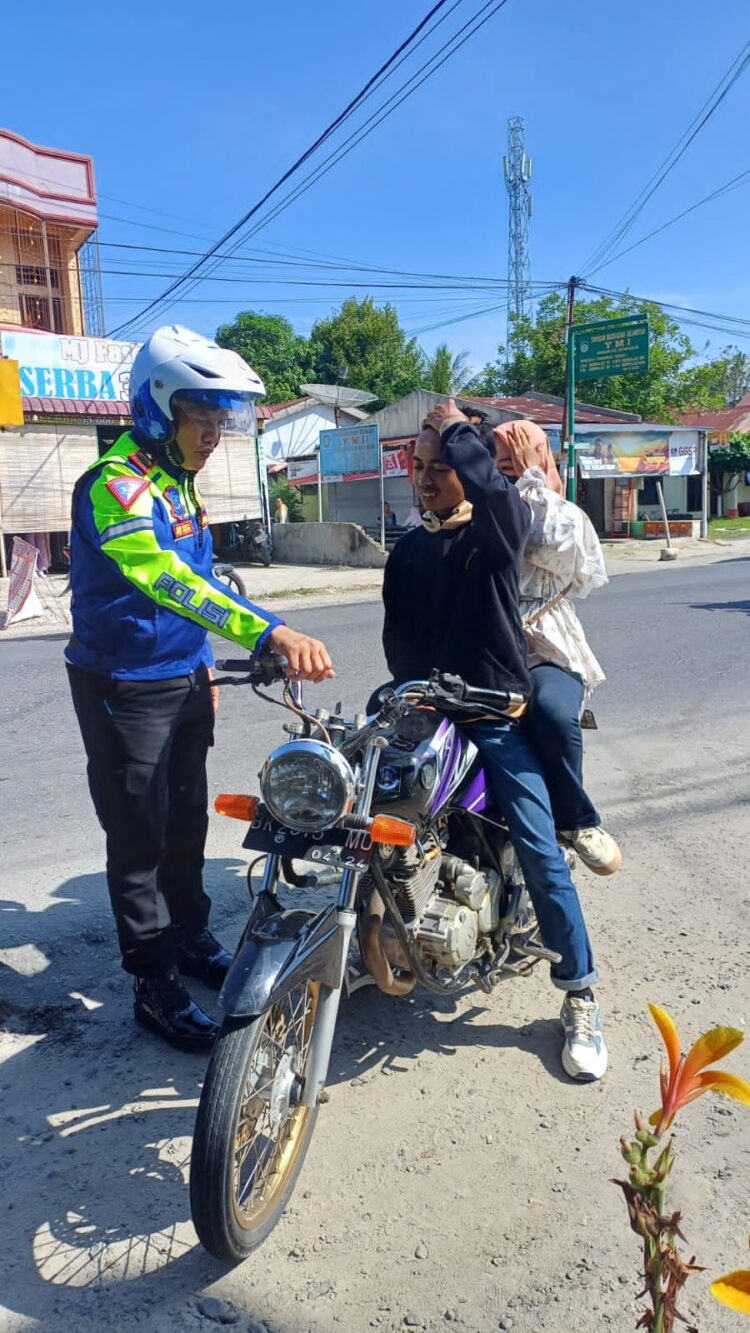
(715, 194)
(311, 282)
(361, 133)
(723, 87)
(345, 265)
(321, 139)
(731, 321)
(387, 108)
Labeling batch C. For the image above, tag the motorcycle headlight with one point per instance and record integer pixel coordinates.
(307, 785)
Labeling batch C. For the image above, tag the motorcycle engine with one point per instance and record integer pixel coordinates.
(456, 918)
(447, 904)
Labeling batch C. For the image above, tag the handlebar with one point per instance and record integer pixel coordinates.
(452, 693)
(264, 670)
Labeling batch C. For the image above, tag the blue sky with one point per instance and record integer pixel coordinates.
(191, 110)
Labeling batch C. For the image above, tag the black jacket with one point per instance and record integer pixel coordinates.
(451, 598)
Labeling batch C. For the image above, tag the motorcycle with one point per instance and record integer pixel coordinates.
(431, 894)
(252, 543)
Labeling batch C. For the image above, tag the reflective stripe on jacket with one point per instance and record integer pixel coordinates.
(144, 597)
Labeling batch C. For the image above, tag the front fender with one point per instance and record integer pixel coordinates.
(279, 949)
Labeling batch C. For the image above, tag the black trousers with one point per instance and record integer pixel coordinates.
(146, 743)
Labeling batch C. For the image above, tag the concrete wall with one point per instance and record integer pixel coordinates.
(325, 544)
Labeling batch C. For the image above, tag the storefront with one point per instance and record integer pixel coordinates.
(74, 394)
(619, 469)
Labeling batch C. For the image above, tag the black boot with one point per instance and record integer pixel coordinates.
(203, 957)
(161, 1004)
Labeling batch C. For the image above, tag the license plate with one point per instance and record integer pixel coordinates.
(349, 848)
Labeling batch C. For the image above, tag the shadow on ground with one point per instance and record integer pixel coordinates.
(721, 606)
(99, 1117)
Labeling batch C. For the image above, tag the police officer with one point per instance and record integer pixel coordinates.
(138, 661)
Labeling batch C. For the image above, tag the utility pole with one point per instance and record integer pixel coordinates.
(569, 399)
(517, 171)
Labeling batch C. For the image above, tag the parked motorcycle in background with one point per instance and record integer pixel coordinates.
(252, 542)
(431, 894)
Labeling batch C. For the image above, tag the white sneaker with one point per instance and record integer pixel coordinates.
(584, 1055)
(596, 848)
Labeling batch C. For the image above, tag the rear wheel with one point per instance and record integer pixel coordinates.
(251, 1132)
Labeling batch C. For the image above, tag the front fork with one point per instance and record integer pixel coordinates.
(328, 1004)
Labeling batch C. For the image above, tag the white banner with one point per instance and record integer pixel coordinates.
(23, 603)
(302, 470)
(684, 454)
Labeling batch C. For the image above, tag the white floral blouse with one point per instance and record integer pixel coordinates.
(562, 552)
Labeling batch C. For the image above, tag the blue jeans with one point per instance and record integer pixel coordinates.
(514, 776)
(555, 732)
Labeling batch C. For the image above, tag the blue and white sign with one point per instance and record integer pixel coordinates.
(348, 451)
(51, 365)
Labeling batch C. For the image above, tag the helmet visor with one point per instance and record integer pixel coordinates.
(232, 412)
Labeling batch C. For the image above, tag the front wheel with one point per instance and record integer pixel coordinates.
(265, 556)
(251, 1131)
(227, 574)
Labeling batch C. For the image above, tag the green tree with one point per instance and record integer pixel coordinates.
(367, 343)
(270, 345)
(736, 381)
(535, 359)
(446, 372)
(280, 489)
(728, 466)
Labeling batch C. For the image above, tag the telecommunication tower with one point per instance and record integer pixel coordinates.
(517, 170)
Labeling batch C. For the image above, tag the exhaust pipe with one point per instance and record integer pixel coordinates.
(374, 955)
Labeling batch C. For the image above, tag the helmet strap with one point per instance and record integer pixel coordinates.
(174, 453)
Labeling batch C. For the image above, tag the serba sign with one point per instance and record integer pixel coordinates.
(54, 366)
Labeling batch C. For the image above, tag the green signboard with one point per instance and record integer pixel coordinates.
(611, 347)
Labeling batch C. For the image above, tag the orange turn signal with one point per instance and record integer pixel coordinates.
(395, 832)
(236, 807)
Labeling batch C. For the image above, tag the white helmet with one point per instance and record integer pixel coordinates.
(177, 363)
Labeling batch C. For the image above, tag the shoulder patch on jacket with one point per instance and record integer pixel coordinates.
(127, 489)
(141, 461)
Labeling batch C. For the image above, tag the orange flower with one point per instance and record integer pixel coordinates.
(733, 1290)
(688, 1075)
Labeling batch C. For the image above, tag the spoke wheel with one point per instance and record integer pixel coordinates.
(232, 579)
(251, 1132)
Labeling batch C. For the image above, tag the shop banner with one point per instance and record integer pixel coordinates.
(646, 453)
(53, 366)
(717, 439)
(684, 454)
(396, 462)
(304, 471)
(23, 603)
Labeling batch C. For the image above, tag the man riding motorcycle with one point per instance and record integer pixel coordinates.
(144, 600)
(451, 595)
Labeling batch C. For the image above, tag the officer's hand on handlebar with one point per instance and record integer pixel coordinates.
(308, 658)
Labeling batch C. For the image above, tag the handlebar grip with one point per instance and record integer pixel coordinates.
(264, 670)
(235, 664)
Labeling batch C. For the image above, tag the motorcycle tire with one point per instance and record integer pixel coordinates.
(233, 581)
(265, 558)
(249, 1088)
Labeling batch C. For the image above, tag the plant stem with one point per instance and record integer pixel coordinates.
(657, 1200)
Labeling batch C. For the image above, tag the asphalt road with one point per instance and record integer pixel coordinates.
(673, 643)
(669, 768)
